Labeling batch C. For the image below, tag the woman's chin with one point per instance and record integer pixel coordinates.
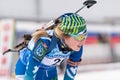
(76, 49)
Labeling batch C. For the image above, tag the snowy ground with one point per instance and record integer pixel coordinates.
(98, 72)
(97, 75)
(93, 75)
(94, 72)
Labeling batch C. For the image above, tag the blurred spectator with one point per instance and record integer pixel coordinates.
(103, 38)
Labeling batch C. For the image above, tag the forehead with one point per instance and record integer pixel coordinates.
(70, 38)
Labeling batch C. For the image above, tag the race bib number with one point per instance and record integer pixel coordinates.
(52, 61)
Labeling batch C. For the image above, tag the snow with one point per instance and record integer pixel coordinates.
(98, 72)
(97, 75)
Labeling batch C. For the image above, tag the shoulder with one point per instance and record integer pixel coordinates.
(45, 40)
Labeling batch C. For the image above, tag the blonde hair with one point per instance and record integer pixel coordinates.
(42, 32)
(59, 33)
(36, 35)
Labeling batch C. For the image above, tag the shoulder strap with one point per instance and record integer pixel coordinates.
(53, 42)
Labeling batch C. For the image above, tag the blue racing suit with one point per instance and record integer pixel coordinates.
(37, 62)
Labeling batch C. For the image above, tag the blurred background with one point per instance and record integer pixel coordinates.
(101, 55)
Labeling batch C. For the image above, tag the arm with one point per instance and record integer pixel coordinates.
(72, 65)
(38, 51)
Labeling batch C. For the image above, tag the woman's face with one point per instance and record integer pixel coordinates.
(73, 44)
